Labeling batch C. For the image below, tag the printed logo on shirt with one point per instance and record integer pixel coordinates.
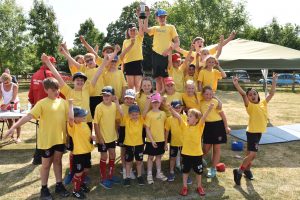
(220, 138)
(256, 146)
(161, 30)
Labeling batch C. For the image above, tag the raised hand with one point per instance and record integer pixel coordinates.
(235, 80)
(211, 105)
(117, 48)
(44, 58)
(275, 77)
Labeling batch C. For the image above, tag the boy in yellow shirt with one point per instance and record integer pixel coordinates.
(106, 133)
(81, 135)
(165, 39)
(257, 125)
(51, 139)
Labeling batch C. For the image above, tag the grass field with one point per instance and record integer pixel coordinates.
(276, 169)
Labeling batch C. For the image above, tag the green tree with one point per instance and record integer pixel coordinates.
(44, 30)
(14, 53)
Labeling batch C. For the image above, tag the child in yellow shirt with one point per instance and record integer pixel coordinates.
(257, 125)
(81, 135)
(191, 98)
(170, 94)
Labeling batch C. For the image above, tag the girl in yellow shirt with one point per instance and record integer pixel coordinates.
(215, 130)
(258, 118)
(191, 98)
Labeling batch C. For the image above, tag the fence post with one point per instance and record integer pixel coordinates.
(294, 82)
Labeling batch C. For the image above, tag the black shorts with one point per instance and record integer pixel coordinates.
(47, 153)
(159, 65)
(151, 151)
(134, 68)
(136, 151)
(81, 161)
(94, 101)
(214, 133)
(174, 151)
(253, 141)
(189, 162)
(121, 136)
(104, 147)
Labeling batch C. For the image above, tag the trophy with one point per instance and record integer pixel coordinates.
(142, 10)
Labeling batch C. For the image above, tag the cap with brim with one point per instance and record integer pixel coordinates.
(80, 112)
(161, 12)
(176, 103)
(169, 80)
(130, 93)
(107, 46)
(108, 90)
(155, 97)
(133, 108)
(176, 57)
(131, 25)
(79, 75)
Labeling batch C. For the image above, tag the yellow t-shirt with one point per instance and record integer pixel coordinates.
(81, 136)
(210, 78)
(105, 117)
(162, 37)
(214, 114)
(172, 124)
(141, 101)
(80, 98)
(133, 131)
(90, 73)
(136, 52)
(73, 69)
(169, 99)
(52, 115)
(212, 51)
(117, 80)
(125, 111)
(178, 76)
(192, 136)
(192, 101)
(258, 117)
(156, 122)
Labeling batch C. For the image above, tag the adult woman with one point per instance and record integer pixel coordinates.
(9, 94)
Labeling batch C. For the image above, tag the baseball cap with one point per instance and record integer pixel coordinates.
(108, 90)
(133, 108)
(169, 80)
(155, 97)
(176, 103)
(107, 46)
(79, 112)
(131, 25)
(130, 93)
(52, 59)
(79, 75)
(176, 57)
(161, 12)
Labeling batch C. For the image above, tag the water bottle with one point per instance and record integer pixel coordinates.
(12, 104)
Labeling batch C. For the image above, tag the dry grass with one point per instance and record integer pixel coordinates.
(277, 168)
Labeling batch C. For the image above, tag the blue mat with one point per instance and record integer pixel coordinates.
(286, 133)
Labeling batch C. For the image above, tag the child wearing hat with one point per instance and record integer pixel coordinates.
(81, 135)
(155, 142)
(105, 129)
(165, 39)
(170, 94)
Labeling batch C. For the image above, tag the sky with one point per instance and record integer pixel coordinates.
(71, 13)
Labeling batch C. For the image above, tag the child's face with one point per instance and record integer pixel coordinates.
(81, 61)
(208, 95)
(210, 62)
(128, 101)
(191, 119)
(190, 89)
(52, 93)
(191, 71)
(204, 54)
(107, 98)
(199, 44)
(107, 52)
(78, 83)
(78, 120)
(252, 96)
(178, 109)
(176, 64)
(170, 88)
(132, 32)
(161, 20)
(134, 115)
(146, 86)
(90, 62)
(155, 104)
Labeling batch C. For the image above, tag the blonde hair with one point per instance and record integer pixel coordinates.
(210, 57)
(6, 77)
(196, 113)
(50, 83)
(192, 83)
(89, 55)
(198, 38)
(78, 57)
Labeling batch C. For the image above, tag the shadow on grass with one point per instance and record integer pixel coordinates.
(15, 156)
(251, 193)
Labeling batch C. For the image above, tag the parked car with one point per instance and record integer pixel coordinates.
(283, 79)
(241, 74)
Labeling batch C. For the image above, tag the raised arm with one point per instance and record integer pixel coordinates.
(273, 88)
(174, 113)
(127, 49)
(223, 74)
(220, 46)
(99, 71)
(235, 81)
(116, 100)
(231, 37)
(145, 25)
(55, 73)
(71, 60)
(19, 123)
(141, 26)
(71, 113)
(187, 59)
(219, 106)
(204, 116)
(88, 46)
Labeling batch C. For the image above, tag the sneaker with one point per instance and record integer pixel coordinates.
(171, 177)
(132, 176)
(200, 191)
(150, 179)
(78, 195)
(61, 190)
(211, 172)
(189, 181)
(127, 182)
(161, 176)
(140, 180)
(106, 184)
(68, 178)
(184, 191)
(84, 188)
(18, 140)
(45, 194)
(115, 180)
(248, 174)
(124, 173)
(237, 176)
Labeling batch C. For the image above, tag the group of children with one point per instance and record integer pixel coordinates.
(183, 111)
